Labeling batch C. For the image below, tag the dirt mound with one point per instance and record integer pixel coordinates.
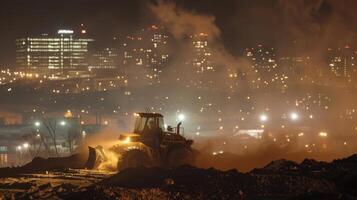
(194, 183)
(342, 172)
(281, 179)
(47, 191)
(282, 164)
(38, 164)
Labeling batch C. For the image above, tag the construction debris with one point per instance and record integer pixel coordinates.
(280, 179)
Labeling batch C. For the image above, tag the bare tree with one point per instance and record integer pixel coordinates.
(51, 128)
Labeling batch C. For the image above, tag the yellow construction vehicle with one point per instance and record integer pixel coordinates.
(150, 144)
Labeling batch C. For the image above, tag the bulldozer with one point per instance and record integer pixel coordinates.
(150, 144)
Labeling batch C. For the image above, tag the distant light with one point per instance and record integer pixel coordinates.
(37, 124)
(65, 32)
(263, 118)
(62, 123)
(294, 116)
(181, 117)
(83, 31)
(26, 145)
(323, 134)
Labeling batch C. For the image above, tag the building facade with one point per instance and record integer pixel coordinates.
(201, 58)
(342, 62)
(47, 54)
(146, 53)
(107, 58)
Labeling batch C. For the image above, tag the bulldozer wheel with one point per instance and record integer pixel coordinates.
(134, 158)
(180, 156)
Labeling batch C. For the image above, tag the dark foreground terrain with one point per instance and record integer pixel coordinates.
(280, 179)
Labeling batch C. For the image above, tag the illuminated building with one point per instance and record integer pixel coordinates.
(342, 62)
(293, 65)
(201, 54)
(263, 62)
(199, 59)
(147, 50)
(264, 58)
(299, 68)
(59, 53)
(107, 58)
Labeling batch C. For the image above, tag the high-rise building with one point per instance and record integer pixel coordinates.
(264, 63)
(147, 50)
(342, 62)
(107, 58)
(58, 53)
(201, 59)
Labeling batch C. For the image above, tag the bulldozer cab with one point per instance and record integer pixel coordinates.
(146, 122)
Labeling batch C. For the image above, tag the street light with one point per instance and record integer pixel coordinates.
(294, 116)
(62, 123)
(37, 124)
(181, 117)
(26, 145)
(263, 118)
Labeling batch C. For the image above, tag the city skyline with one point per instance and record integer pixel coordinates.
(240, 82)
(273, 22)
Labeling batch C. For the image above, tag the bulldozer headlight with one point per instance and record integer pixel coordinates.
(127, 140)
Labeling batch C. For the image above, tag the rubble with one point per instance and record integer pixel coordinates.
(193, 183)
(281, 179)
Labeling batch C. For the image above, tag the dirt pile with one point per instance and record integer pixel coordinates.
(193, 183)
(342, 173)
(281, 179)
(179, 183)
(38, 164)
(47, 191)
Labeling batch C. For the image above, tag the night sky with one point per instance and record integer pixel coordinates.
(242, 22)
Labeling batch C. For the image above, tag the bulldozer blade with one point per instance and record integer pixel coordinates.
(95, 158)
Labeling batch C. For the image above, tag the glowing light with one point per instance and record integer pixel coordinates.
(26, 145)
(62, 123)
(37, 124)
(127, 140)
(65, 32)
(294, 116)
(323, 134)
(263, 118)
(181, 117)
